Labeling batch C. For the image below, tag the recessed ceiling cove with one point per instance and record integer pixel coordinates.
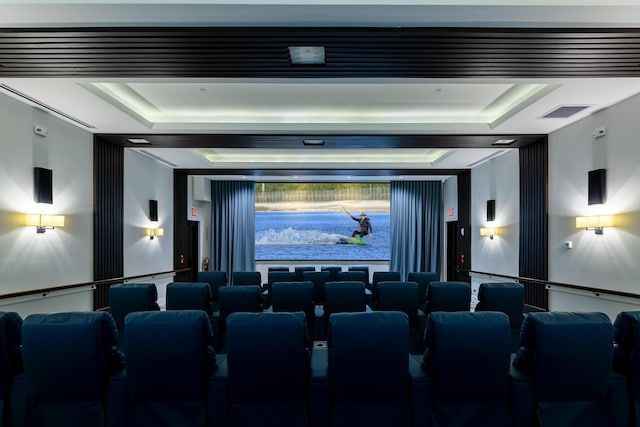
(285, 104)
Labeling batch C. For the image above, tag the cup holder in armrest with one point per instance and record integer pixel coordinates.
(321, 345)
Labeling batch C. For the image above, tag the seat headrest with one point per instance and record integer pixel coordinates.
(177, 344)
(268, 357)
(569, 354)
(68, 356)
(457, 339)
(11, 339)
(360, 368)
(213, 277)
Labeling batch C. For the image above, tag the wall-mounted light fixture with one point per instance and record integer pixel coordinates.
(44, 222)
(153, 232)
(595, 223)
(488, 232)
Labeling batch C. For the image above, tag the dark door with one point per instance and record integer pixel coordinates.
(452, 250)
(188, 257)
(193, 244)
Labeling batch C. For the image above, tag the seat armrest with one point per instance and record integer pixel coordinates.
(420, 398)
(19, 400)
(618, 399)
(118, 399)
(522, 405)
(318, 323)
(319, 388)
(218, 399)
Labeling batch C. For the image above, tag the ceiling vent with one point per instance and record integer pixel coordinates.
(565, 112)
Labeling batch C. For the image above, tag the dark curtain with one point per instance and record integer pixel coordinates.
(416, 226)
(233, 228)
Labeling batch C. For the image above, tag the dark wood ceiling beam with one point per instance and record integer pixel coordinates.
(350, 52)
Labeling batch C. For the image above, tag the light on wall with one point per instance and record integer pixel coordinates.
(44, 222)
(153, 232)
(596, 222)
(488, 232)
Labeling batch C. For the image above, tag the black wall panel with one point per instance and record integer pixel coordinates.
(534, 225)
(463, 243)
(108, 199)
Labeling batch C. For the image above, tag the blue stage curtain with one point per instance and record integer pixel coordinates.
(233, 226)
(416, 226)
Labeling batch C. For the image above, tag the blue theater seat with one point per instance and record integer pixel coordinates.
(127, 298)
(354, 276)
(364, 269)
(467, 358)
(381, 276)
(448, 296)
(318, 278)
(10, 358)
(333, 271)
(293, 297)
(369, 370)
(68, 359)
(233, 299)
(507, 298)
(277, 276)
(385, 276)
(567, 358)
(300, 269)
(169, 359)
(342, 297)
(422, 279)
(215, 279)
(266, 382)
(190, 296)
(403, 296)
(246, 278)
(627, 357)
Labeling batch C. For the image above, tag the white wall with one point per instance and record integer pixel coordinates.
(57, 257)
(450, 199)
(65, 255)
(608, 261)
(146, 179)
(496, 179)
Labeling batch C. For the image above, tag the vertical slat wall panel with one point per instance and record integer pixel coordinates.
(108, 198)
(534, 228)
(463, 257)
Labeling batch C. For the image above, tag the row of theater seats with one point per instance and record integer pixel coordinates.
(326, 274)
(343, 296)
(65, 370)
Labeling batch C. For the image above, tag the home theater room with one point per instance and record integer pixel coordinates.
(319, 213)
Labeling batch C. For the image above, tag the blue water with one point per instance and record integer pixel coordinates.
(313, 236)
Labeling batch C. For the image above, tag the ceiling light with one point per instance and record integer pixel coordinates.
(138, 141)
(504, 142)
(313, 141)
(305, 55)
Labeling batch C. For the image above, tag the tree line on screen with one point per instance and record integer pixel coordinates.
(302, 186)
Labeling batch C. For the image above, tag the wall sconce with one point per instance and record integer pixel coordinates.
(44, 222)
(153, 232)
(488, 232)
(595, 223)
